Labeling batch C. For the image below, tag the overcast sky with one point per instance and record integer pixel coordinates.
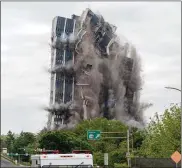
(153, 27)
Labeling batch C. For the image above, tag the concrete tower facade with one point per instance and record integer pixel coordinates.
(62, 83)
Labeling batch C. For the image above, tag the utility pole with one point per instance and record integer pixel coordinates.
(128, 142)
(128, 146)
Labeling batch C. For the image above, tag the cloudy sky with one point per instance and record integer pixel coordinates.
(153, 27)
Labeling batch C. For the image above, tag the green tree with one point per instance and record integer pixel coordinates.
(10, 138)
(3, 141)
(31, 148)
(103, 125)
(136, 140)
(65, 141)
(104, 145)
(163, 135)
(23, 141)
(98, 158)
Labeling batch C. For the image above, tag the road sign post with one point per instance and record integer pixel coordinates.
(19, 159)
(93, 134)
(96, 134)
(105, 159)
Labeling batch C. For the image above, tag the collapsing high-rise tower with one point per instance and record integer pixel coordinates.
(92, 74)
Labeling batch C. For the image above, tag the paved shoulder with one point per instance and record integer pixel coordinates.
(6, 163)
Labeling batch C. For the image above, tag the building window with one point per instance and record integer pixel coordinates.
(69, 26)
(59, 97)
(68, 89)
(59, 78)
(68, 55)
(59, 56)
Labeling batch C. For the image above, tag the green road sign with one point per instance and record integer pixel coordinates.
(12, 154)
(93, 135)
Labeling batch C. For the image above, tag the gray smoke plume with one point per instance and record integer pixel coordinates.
(105, 86)
(72, 38)
(67, 68)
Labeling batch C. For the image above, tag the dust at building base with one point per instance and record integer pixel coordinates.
(93, 74)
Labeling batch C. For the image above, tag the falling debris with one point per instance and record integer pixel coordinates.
(93, 74)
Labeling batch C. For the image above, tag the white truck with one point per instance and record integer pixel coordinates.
(62, 161)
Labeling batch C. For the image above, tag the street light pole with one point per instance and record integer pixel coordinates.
(173, 88)
(128, 147)
(181, 115)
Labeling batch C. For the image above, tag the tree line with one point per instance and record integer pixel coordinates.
(159, 139)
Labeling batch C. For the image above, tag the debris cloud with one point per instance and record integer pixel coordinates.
(104, 75)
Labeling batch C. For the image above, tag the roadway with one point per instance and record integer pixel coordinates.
(6, 163)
